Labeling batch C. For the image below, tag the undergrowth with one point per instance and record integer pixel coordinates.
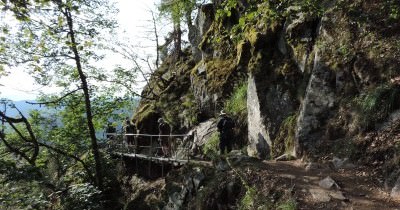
(289, 204)
(252, 199)
(249, 199)
(284, 141)
(236, 105)
(210, 148)
(377, 104)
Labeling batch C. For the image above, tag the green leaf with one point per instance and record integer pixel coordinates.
(60, 21)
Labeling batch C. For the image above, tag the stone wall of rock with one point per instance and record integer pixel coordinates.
(306, 71)
(316, 107)
(259, 144)
(203, 21)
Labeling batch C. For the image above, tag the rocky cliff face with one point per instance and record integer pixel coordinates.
(320, 78)
(320, 75)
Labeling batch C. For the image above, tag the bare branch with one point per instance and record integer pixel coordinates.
(55, 101)
(156, 35)
(115, 81)
(36, 144)
(11, 121)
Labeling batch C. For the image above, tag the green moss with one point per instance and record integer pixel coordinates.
(284, 141)
(194, 70)
(289, 204)
(210, 148)
(376, 105)
(248, 200)
(144, 112)
(219, 72)
(236, 105)
(255, 63)
(253, 36)
(190, 106)
(243, 53)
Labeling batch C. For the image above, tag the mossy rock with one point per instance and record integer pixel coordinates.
(285, 141)
(243, 53)
(146, 119)
(219, 72)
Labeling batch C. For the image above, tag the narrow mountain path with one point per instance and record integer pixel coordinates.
(353, 188)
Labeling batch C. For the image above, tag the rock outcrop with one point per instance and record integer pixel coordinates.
(320, 78)
(259, 141)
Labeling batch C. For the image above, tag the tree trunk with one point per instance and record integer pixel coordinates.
(89, 116)
(177, 39)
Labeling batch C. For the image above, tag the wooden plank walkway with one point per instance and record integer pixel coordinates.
(124, 150)
(152, 158)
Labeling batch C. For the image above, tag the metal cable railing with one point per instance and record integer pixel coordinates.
(149, 146)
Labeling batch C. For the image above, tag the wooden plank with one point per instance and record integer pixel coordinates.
(152, 158)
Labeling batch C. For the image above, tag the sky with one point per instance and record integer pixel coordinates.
(133, 19)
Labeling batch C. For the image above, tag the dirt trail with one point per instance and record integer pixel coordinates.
(358, 188)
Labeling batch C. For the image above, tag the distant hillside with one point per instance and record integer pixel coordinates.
(23, 106)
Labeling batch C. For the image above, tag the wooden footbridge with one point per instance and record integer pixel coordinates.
(147, 151)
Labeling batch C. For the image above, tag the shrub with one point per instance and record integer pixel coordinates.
(189, 104)
(82, 196)
(236, 105)
(284, 141)
(394, 9)
(210, 148)
(376, 105)
(290, 204)
(248, 200)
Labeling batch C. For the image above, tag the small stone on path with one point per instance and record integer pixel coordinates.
(328, 183)
(337, 195)
(396, 190)
(320, 195)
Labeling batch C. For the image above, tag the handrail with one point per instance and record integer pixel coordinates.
(133, 148)
(143, 134)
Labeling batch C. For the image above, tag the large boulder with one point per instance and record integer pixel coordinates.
(178, 192)
(199, 135)
(315, 109)
(259, 141)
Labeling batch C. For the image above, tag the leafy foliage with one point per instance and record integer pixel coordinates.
(248, 200)
(285, 139)
(290, 204)
(190, 105)
(58, 42)
(178, 9)
(236, 105)
(82, 196)
(311, 7)
(226, 10)
(210, 148)
(394, 9)
(377, 104)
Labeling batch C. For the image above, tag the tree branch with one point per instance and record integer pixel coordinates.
(92, 178)
(55, 101)
(156, 35)
(11, 121)
(17, 151)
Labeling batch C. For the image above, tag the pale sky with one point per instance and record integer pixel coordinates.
(132, 19)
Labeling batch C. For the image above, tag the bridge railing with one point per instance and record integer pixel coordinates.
(149, 145)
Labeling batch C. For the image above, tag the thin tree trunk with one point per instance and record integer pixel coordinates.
(89, 116)
(157, 44)
(177, 39)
